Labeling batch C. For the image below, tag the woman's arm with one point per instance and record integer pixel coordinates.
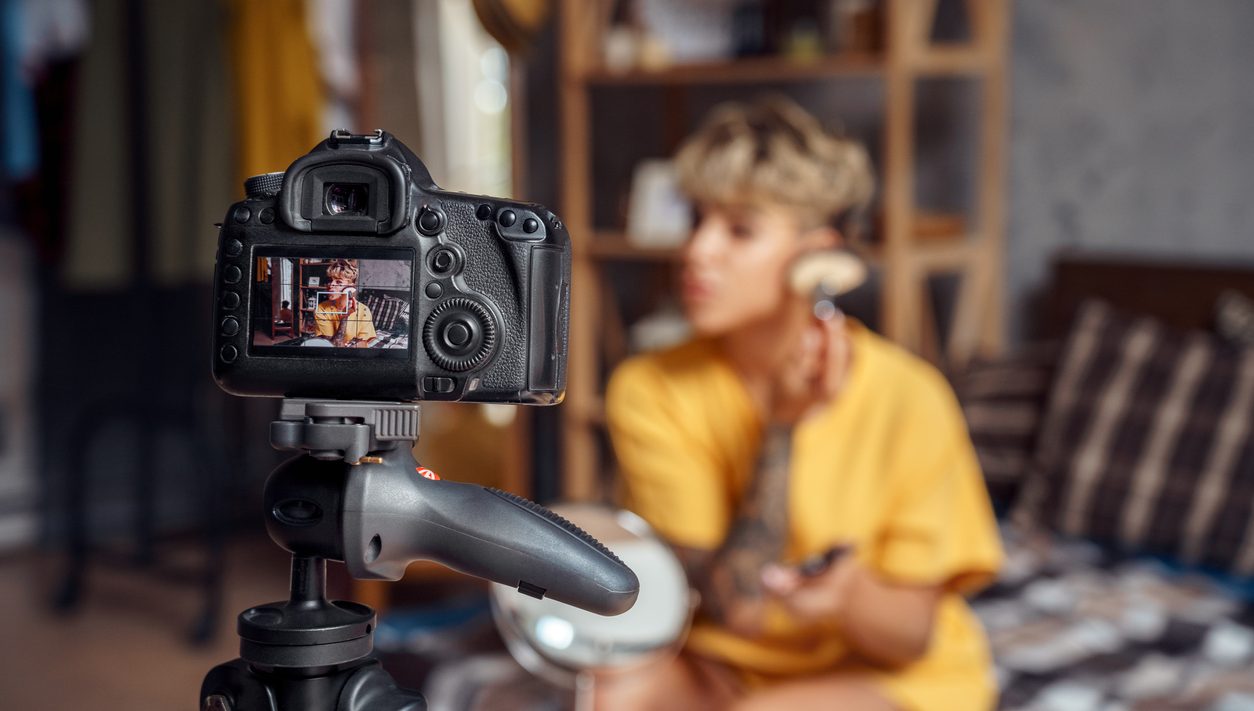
(885, 622)
(888, 623)
(729, 579)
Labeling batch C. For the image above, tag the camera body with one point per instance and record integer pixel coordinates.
(353, 276)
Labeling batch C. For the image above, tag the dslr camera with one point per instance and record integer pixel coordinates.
(353, 276)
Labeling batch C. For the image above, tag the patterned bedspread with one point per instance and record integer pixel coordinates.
(1074, 629)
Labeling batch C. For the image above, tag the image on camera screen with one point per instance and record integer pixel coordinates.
(332, 305)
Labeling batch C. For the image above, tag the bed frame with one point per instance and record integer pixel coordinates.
(1180, 292)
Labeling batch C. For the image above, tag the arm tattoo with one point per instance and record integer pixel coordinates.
(758, 534)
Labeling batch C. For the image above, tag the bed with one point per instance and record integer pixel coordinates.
(1106, 608)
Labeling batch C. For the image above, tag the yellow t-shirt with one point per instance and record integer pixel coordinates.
(360, 325)
(887, 467)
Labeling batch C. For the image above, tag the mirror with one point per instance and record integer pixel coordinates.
(559, 643)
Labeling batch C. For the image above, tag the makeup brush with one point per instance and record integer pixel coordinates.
(823, 275)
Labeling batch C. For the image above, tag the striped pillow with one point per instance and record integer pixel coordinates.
(1003, 401)
(387, 310)
(1147, 442)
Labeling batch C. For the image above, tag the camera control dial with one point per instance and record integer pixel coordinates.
(460, 334)
(266, 185)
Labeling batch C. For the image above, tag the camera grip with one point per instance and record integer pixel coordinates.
(483, 532)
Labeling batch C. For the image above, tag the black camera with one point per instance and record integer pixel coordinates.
(353, 276)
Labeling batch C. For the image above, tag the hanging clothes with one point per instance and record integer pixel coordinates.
(19, 145)
(44, 43)
(333, 25)
(189, 122)
(278, 92)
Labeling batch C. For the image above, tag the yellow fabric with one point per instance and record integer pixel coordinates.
(359, 327)
(279, 94)
(888, 468)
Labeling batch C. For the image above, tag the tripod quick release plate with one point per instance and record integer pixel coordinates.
(330, 429)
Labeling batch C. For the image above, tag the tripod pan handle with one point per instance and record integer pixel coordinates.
(484, 532)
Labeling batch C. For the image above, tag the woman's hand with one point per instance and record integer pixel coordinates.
(819, 599)
(887, 623)
(813, 372)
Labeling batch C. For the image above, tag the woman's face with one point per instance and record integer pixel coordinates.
(339, 284)
(735, 265)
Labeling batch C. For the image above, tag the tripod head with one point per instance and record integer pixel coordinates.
(356, 494)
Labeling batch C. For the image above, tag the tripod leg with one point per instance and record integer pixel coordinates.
(145, 490)
(215, 494)
(71, 591)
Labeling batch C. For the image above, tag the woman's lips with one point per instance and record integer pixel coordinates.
(697, 289)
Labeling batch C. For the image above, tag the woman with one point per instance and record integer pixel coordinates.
(773, 438)
(341, 317)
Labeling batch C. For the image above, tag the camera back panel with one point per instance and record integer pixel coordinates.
(355, 277)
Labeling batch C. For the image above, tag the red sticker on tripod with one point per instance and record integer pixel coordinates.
(427, 473)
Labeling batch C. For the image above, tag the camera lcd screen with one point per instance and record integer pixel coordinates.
(335, 304)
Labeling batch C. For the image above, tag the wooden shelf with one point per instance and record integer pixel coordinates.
(928, 257)
(940, 242)
(947, 60)
(617, 247)
(910, 245)
(593, 412)
(744, 71)
(942, 60)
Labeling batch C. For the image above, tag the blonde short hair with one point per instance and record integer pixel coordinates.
(772, 151)
(343, 269)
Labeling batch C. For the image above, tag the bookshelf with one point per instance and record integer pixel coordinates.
(911, 247)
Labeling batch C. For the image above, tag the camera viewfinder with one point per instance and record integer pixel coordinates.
(346, 199)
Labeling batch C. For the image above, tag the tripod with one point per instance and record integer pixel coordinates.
(356, 494)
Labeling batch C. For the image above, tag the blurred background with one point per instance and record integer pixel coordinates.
(1032, 156)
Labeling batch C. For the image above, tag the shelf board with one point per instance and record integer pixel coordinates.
(937, 60)
(744, 71)
(934, 255)
(929, 254)
(595, 413)
(617, 247)
(941, 244)
(951, 59)
(946, 256)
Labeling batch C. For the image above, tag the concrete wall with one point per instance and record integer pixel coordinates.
(1132, 131)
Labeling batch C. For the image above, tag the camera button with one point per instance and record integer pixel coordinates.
(434, 290)
(232, 274)
(234, 247)
(507, 218)
(230, 326)
(242, 214)
(266, 216)
(430, 221)
(530, 225)
(230, 300)
(228, 354)
(439, 385)
(484, 211)
(457, 334)
(443, 261)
